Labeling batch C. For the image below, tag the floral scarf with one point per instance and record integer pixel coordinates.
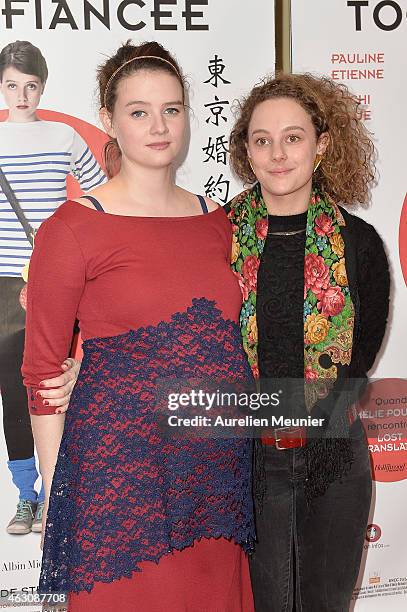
(328, 308)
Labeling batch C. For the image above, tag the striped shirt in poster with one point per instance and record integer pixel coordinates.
(36, 158)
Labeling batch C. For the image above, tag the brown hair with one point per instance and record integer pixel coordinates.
(109, 76)
(25, 57)
(347, 169)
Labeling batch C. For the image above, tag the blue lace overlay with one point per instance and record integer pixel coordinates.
(123, 493)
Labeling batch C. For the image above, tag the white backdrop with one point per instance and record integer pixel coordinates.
(241, 35)
(363, 44)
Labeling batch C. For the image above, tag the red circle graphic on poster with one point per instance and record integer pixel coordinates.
(403, 240)
(383, 411)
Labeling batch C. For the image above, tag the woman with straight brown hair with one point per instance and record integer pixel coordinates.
(137, 519)
(36, 157)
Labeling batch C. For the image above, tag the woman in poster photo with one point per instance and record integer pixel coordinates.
(146, 271)
(315, 284)
(35, 158)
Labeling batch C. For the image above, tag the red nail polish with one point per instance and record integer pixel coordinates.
(42, 384)
(46, 403)
(38, 393)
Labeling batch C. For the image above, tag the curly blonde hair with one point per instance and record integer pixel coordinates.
(347, 169)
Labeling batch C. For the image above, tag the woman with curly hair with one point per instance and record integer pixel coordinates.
(315, 286)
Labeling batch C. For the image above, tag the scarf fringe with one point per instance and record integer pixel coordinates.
(259, 475)
(327, 460)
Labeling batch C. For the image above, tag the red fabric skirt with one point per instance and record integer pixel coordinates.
(210, 576)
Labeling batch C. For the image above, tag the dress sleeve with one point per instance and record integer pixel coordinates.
(84, 166)
(374, 289)
(55, 286)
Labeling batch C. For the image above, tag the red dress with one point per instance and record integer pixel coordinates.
(136, 522)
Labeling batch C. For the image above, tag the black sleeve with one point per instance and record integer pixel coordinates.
(373, 281)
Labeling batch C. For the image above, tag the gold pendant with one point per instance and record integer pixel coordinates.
(24, 272)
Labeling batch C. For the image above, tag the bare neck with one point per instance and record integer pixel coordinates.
(30, 119)
(150, 188)
(289, 204)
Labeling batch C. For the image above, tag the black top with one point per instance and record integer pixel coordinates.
(280, 296)
(280, 299)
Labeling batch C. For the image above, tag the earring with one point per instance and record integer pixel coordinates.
(318, 160)
(251, 165)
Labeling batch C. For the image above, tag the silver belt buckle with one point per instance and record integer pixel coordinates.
(290, 429)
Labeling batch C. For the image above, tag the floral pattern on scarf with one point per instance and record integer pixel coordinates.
(328, 308)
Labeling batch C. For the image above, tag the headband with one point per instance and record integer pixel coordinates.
(133, 59)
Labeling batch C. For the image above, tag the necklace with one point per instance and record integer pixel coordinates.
(292, 233)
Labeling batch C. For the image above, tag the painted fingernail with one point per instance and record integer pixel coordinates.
(38, 393)
(46, 403)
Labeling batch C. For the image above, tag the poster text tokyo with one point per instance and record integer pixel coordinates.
(387, 15)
